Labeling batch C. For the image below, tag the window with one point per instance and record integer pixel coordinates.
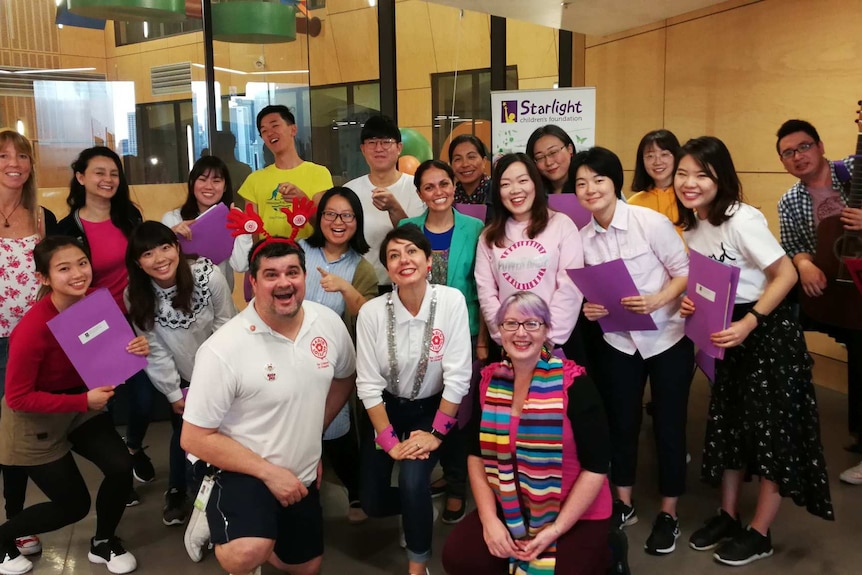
(135, 32)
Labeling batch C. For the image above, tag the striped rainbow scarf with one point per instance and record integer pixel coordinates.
(538, 454)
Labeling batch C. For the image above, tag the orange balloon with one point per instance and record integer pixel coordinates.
(408, 164)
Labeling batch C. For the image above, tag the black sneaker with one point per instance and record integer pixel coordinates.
(748, 546)
(450, 517)
(142, 467)
(113, 555)
(176, 507)
(662, 540)
(714, 531)
(624, 515)
(134, 498)
(12, 562)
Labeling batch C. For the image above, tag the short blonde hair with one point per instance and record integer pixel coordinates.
(23, 146)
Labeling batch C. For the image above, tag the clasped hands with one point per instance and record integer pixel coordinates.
(418, 445)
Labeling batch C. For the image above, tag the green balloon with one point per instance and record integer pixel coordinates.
(415, 144)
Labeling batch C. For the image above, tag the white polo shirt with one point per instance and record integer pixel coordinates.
(267, 392)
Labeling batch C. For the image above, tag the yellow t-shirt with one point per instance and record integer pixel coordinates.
(662, 201)
(261, 187)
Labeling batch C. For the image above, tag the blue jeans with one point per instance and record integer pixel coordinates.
(412, 497)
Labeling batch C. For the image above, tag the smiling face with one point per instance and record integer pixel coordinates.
(160, 263)
(15, 168)
(337, 232)
(694, 186)
(522, 345)
(658, 164)
(803, 165)
(381, 154)
(437, 190)
(517, 191)
(276, 133)
(406, 264)
(208, 189)
(596, 193)
(468, 164)
(279, 288)
(100, 178)
(69, 273)
(553, 158)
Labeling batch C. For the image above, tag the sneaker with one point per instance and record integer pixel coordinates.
(853, 476)
(451, 517)
(197, 535)
(13, 563)
(748, 546)
(662, 540)
(175, 510)
(112, 554)
(28, 545)
(438, 488)
(715, 530)
(624, 515)
(134, 498)
(142, 467)
(355, 514)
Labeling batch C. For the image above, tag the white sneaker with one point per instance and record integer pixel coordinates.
(113, 555)
(853, 476)
(28, 545)
(197, 535)
(14, 563)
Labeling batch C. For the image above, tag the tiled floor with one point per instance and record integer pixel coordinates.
(804, 545)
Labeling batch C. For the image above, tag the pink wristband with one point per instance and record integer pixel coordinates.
(386, 439)
(443, 422)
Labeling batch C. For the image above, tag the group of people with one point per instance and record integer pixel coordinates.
(465, 341)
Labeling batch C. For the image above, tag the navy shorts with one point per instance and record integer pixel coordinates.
(243, 506)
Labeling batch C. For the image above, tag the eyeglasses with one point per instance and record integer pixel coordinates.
(346, 217)
(787, 154)
(549, 153)
(652, 156)
(529, 325)
(385, 144)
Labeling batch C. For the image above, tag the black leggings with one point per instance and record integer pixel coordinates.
(69, 499)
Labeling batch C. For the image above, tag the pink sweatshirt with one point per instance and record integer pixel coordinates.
(536, 265)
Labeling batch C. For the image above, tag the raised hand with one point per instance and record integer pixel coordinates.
(241, 223)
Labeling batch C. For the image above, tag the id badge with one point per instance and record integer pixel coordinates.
(204, 493)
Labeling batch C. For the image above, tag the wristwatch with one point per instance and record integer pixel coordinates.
(437, 434)
(758, 316)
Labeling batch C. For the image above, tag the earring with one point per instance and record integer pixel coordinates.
(428, 275)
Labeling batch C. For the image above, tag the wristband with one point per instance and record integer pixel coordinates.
(443, 422)
(760, 317)
(386, 439)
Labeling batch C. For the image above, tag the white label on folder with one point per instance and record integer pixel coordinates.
(704, 292)
(94, 331)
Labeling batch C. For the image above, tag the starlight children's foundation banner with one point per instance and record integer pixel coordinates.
(515, 114)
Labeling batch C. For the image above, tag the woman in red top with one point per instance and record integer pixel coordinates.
(48, 412)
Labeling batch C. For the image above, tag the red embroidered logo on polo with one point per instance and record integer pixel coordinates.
(437, 340)
(524, 264)
(319, 347)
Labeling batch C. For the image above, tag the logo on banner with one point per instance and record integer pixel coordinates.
(509, 109)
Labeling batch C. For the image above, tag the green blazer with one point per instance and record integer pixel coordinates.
(462, 259)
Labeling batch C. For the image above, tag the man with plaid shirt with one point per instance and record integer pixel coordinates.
(821, 192)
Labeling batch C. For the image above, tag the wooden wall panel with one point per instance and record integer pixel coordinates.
(533, 49)
(28, 25)
(355, 35)
(416, 58)
(414, 108)
(460, 43)
(82, 42)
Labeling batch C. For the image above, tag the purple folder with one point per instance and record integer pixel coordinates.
(210, 236)
(706, 363)
(712, 288)
(606, 284)
(473, 210)
(94, 334)
(569, 205)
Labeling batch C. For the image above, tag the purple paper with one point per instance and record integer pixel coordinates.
(94, 334)
(606, 284)
(706, 363)
(210, 236)
(473, 210)
(712, 288)
(569, 205)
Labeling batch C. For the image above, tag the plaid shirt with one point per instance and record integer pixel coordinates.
(796, 214)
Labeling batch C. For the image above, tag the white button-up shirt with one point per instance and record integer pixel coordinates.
(654, 254)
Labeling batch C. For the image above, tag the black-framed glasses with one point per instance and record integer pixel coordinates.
(385, 144)
(529, 325)
(346, 217)
(801, 149)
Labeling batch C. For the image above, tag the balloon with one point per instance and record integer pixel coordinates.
(415, 144)
(408, 164)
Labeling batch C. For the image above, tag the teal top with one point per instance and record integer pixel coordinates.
(462, 258)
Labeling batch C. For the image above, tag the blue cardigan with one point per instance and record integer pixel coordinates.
(462, 258)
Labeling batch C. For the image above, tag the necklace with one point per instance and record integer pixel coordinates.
(6, 218)
(426, 345)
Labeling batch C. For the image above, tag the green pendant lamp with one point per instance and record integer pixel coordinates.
(130, 10)
(254, 22)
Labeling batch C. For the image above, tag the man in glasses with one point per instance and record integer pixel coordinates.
(822, 192)
(277, 185)
(387, 195)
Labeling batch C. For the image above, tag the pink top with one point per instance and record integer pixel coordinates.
(18, 283)
(537, 265)
(108, 256)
